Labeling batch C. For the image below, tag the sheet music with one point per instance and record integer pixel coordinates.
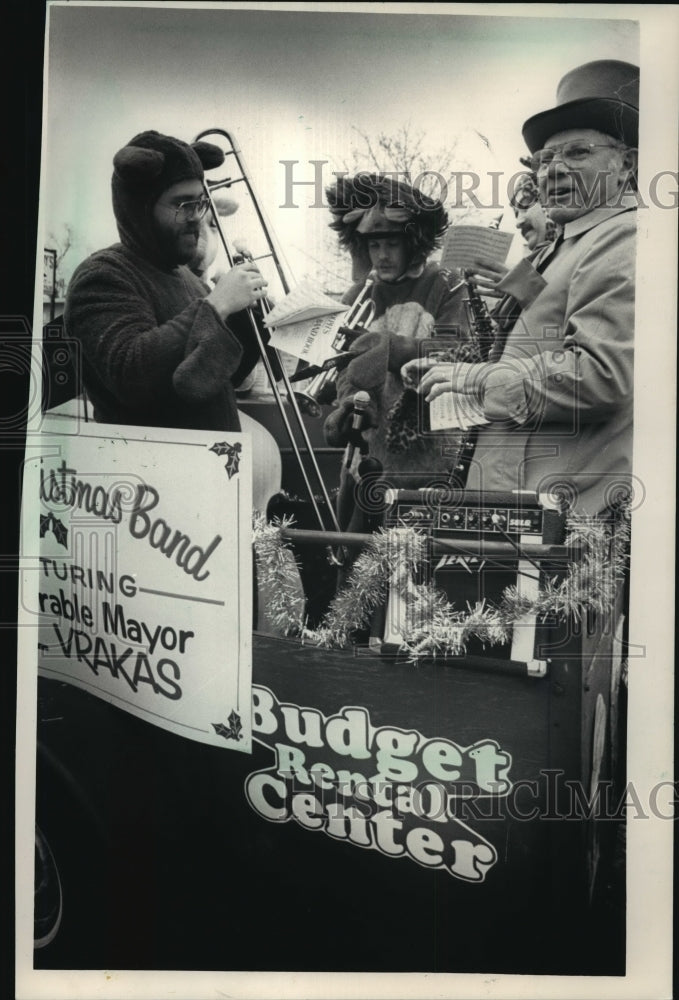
(464, 245)
(306, 301)
(311, 339)
(455, 410)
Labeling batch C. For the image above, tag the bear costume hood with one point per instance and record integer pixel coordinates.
(142, 170)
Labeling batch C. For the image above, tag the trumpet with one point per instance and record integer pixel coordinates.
(322, 387)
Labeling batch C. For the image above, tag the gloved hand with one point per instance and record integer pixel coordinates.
(337, 428)
(367, 371)
(401, 350)
(378, 353)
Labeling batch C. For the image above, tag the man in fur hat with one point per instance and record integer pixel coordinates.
(538, 230)
(533, 222)
(535, 225)
(159, 347)
(391, 229)
(559, 397)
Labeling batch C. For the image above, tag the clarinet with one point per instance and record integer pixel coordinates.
(482, 323)
(484, 329)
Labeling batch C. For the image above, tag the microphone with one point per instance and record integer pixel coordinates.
(361, 402)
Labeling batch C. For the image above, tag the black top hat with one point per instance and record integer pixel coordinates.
(601, 95)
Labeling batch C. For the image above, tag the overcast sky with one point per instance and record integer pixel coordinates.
(290, 85)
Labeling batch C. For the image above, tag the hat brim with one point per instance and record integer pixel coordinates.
(383, 234)
(614, 118)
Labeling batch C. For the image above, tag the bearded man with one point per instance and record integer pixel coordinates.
(159, 347)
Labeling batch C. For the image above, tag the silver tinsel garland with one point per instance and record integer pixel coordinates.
(433, 626)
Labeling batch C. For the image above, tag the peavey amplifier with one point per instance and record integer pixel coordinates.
(482, 543)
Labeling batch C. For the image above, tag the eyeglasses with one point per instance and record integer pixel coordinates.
(189, 210)
(572, 153)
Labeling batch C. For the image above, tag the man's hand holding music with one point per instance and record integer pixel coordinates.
(486, 276)
(412, 371)
(432, 378)
(240, 288)
(424, 372)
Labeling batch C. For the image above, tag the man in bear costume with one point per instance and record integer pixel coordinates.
(391, 229)
(159, 347)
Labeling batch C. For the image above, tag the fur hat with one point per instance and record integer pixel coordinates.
(148, 165)
(526, 194)
(151, 163)
(377, 205)
(525, 191)
(601, 95)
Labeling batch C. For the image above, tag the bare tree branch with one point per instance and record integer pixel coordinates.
(62, 243)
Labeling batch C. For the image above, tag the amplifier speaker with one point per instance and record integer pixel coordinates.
(494, 528)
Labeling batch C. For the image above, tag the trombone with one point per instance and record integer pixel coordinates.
(270, 357)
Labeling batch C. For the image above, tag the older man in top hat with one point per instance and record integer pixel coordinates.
(159, 347)
(559, 398)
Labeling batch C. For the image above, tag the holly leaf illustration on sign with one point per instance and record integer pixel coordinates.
(233, 460)
(236, 727)
(60, 531)
(232, 451)
(48, 522)
(233, 730)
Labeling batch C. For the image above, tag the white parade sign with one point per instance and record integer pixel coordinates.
(145, 574)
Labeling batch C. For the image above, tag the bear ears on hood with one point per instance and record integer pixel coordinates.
(150, 163)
